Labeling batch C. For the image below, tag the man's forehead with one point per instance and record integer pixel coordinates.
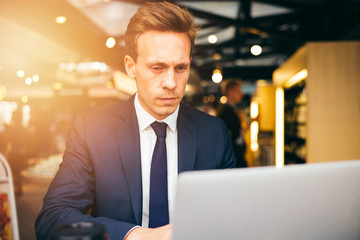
(149, 59)
(161, 40)
(163, 53)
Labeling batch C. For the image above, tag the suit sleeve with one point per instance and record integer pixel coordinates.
(71, 194)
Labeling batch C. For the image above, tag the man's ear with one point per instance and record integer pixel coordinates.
(130, 66)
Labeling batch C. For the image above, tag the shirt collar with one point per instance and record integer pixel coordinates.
(145, 119)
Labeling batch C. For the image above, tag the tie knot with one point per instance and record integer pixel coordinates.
(159, 128)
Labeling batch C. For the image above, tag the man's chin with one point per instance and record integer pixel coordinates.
(164, 112)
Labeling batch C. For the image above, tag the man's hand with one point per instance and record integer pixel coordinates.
(160, 233)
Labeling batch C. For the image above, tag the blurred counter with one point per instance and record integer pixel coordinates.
(42, 170)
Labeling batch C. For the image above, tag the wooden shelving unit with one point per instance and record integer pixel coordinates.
(295, 108)
(322, 112)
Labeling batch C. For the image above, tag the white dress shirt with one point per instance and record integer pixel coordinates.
(147, 145)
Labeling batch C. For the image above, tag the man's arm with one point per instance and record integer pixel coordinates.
(57, 216)
(71, 194)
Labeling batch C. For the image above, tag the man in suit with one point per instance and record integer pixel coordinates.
(105, 173)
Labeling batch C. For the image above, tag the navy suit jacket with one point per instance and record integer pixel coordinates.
(99, 179)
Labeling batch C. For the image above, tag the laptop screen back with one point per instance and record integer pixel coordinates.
(312, 201)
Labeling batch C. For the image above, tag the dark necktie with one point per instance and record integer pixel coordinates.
(158, 209)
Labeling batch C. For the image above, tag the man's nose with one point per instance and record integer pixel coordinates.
(169, 81)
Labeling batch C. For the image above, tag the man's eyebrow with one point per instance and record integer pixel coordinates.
(165, 64)
(157, 63)
(183, 63)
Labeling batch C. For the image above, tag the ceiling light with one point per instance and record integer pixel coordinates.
(24, 99)
(35, 78)
(110, 42)
(60, 19)
(58, 86)
(212, 98)
(223, 99)
(70, 67)
(98, 66)
(217, 56)
(205, 99)
(256, 50)
(28, 81)
(217, 76)
(212, 39)
(20, 73)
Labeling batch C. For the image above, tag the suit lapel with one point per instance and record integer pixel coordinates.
(128, 140)
(127, 134)
(187, 140)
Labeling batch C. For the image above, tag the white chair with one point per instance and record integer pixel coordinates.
(7, 187)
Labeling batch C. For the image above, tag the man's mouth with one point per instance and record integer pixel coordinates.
(168, 100)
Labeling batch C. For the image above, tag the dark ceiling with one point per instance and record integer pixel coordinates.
(278, 34)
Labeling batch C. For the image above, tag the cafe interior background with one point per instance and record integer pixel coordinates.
(298, 61)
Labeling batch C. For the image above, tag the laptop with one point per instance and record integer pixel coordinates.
(310, 201)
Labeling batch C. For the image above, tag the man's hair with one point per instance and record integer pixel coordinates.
(158, 16)
(229, 84)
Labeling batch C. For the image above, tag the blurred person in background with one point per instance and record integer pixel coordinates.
(42, 124)
(61, 135)
(107, 174)
(230, 114)
(16, 148)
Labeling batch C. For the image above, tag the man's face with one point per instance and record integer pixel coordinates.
(161, 71)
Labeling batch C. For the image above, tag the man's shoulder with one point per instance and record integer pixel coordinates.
(109, 111)
(196, 116)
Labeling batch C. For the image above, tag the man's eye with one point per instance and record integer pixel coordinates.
(181, 68)
(156, 68)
